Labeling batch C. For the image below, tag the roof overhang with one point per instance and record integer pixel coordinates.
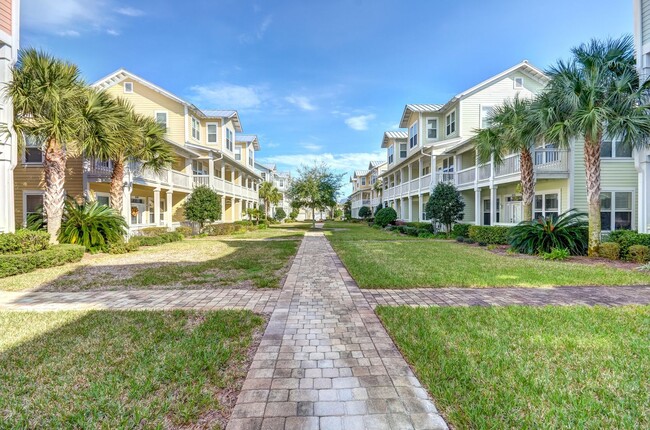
(391, 135)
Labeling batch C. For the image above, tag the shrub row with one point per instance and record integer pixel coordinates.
(24, 242)
(460, 230)
(226, 228)
(421, 226)
(57, 255)
(157, 240)
(489, 234)
(185, 231)
(626, 239)
(153, 231)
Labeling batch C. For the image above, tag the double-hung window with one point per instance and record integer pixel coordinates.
(611, 148)
(547, 205)
(212, 132)
(238, 153)
(363, 180)
(229, 139)
(198, 168)
(196, 129)
(402, 150)
(486, 116)
(33, 153)
(616, 210)
(32, 204)
(432, 128)
(161, 118)
(250, 157)
(391, 154)
(128, 87)
(413, 135)
(450, 123)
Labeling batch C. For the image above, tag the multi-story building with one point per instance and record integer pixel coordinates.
(9, 38)
(366, 187)
(642, 43)
(281, 181)
(207, 151)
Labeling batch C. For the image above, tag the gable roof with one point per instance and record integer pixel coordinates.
(361, 172)
(374, 164)
(248, 138)
(397, 135)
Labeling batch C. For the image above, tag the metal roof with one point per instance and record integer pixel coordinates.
(374, 164)
(416, 108)
(361, 172)
(248, 138)
(397, 135)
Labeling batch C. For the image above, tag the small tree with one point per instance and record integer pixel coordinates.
(365, 212)
(254, 213)
(347, 209)
(203, 205)
(338, 213)
(379, 207)
(385, 216)
(280, 214)
(445, 205)
(315, 188)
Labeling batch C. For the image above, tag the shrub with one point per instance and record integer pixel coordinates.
(23, 242)
(294, 214)
(91, 225)
(421, 225)
(470, 241)
(157, 240)
(460, 230)
(482, 243)
(460, 239)
(365, 212)
(378, 208)
(389, 227)
(569, 231)
(121, 247)
(424, 231)
(185, 231)
(263, 226)
(376, 227)
(56, 255)
(424, 234)
(222, 229)
(441, 235)
(638, 254)
(492, 247)
(445, 205)
(411, 231)
(203, 205)
(628, 238)
(280, 214)
(556, 254)
(610, 250)
(153, 231)
(490, 234)
(385, 217)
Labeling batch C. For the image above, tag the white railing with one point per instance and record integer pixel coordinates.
(484, 171)
(200, 180)
(181, 179)
(414, 185)
(425, 182)
(447, 177)
(510, 165)
(551, 160)
(466, 176)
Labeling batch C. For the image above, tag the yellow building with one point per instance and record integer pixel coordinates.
(208, 152)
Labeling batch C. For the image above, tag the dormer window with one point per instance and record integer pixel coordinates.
(519, 83)
(450, 123)
(128, 87)
(238, 153)
(196, 129)
(413, 135)
(212, 133)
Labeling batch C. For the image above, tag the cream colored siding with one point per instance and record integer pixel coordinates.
(645, 21)
(443, 121)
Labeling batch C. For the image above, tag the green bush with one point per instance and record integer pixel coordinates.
(91, 224)
(280, 214)
(460, 239)
(169, 237)
(461, 230)
(569, 231)
(203, 205)
(424, 234)
(628, 238)
(23, 242)
(610, 250)
(638, 254)
(470, 241)
(185, 231)
(376, 227)
(421, 226)
(222, 229)
(489, 234)
(121, 247)
(410, 231)
(263, 226)
(556, 254)
(56, 255)
(153, 231)
(365, 212)
(385, 217)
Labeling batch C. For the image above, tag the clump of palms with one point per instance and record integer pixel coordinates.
(270, 194)
(91, 224)
(567, 231)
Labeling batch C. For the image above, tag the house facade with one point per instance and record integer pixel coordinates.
(208, 151)
(282, 181)
(366, 187)
(642, 165)
(9, 38)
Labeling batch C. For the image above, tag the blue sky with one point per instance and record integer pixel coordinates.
(316, 79)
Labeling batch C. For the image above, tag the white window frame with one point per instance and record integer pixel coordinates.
(435, 129)
(230, 137)
(363, 180)
(413, 135)
(155, 115)
(391, 154)
(250, 157)
(195, 128)
(100, 194)
(32, 163)
(238, 153)
(483, 116)
(30, 193)
(404, 151)
(450, 123)
(612, 210)
(518, 86)
(130, 91)
(543, 194)
(615, 143)
(208, 134)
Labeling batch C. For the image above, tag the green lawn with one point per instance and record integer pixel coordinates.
(541, 368)
(379, 259)
(253, 259)
(122, 369)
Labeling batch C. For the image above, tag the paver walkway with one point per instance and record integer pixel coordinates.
(325, 360)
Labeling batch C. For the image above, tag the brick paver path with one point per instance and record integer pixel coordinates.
(607, 296)
(325, 360)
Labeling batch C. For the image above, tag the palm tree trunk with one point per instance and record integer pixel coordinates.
(117, 185)
(527, 182)
(54, 195)
(592, 167)
(266, 208)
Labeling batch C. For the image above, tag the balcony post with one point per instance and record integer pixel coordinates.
(493, 204)
(168, 208)
(223, 207)
(434, 172)
(156, 206)
(211, 181)
(477, 207)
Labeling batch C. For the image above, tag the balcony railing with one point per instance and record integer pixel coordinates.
(466, 176)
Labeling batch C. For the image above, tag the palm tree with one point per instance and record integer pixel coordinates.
(511, 131)
(270, 194)
(48, 96)
(597, 93)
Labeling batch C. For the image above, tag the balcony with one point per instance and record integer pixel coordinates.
(101, 171)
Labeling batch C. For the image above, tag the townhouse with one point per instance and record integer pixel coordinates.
(9, 38)
(209, 150)
(281, 180)
(437, 147)
(366, 187)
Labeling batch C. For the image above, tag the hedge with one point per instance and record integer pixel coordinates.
(489, 234)
(609, 250)
(460, 230)
(628, 238)
(638, 254)
(24, 241)
(421, 226)
(56, 255)
(185, 231)
(157, 240)
(153, 231)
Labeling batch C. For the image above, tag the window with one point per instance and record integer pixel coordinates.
(519, 83)
(128, 87)
(363, 181)
(33, 153)
(448, 165)
(413, 135)
(212, 133)
(426, 170)
(281, 183)
(391, 154)
(263, 176)
(402, 150)
(229, 139)
(486, 116)
(103, 198)
(615, 149)
(238, 153)
(161, 118)
(33, 204)
(250, 157)
(616, 210)
(546, 205)
(198, 168)
(450, 122)
(432, 128)
(196, 129)
(487, 218)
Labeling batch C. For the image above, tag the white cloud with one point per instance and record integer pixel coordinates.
(359, 122)
(312, 146)
(259, 34)
(69, 33)
(129, 11)
(226, 96)
(301, 101)
(345, 162)
(112, 32)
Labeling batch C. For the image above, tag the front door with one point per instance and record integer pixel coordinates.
(514, 212)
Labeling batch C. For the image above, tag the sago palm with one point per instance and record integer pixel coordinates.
(511, 132)
(48, 96)
(92, 225)
(596, 94)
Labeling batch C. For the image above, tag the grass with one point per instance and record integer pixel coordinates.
(255, 259)
(131, 369)
(379, 259)
(524, 367)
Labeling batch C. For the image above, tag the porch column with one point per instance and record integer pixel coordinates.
(421, 205)
(156, 206)
(477, 206)
(223, 207)
(434, 176)
(410, 208)
(126, 203)
(493, 205)
(223, 170)
(211, 173)
(419, 175)
(168, 209)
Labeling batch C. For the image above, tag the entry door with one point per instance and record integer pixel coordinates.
(514, 212)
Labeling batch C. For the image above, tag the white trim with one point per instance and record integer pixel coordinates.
(437, 128)
(455, 121)
(102, 194)
(124, 84)
(544, 194)
(207, 133)
(480, 114)
(29, 193)
(196, 134)
(155, 115)
(518, 86)
(613, 209)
